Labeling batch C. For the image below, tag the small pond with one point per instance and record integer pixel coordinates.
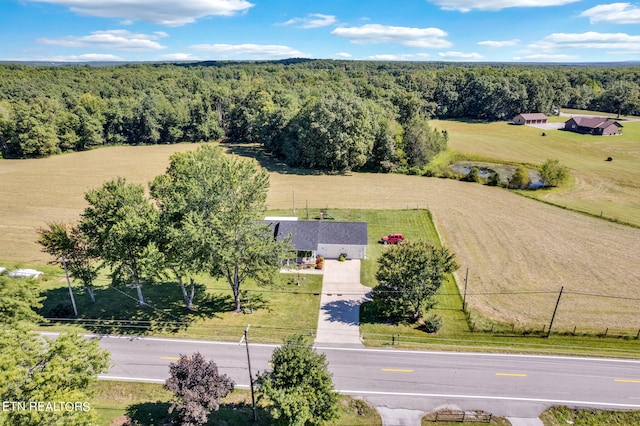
(505, 171)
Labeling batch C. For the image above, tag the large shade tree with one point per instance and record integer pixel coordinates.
(211, 205)
(409, 276)
(121, 225)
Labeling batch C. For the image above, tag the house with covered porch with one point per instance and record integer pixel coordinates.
(322, 238)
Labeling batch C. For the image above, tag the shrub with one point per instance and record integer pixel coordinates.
(520, 179)
(494, 179)
(473, 175)
(342, 257)
(431, 324)
(553, 173)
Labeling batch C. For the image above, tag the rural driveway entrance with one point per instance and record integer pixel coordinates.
(342, 294)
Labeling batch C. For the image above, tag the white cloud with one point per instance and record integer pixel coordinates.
(113, 39)
(543, 57)
(165, 12)
(343, 55)
(178, 57)
(468, 5)
(504, 43)
(432, 38)
(399, 57)
(249, 50)
(460, 55)
(313, 20)
(614, 13)
(588, 40)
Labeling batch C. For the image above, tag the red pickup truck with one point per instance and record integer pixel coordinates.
(392, 239)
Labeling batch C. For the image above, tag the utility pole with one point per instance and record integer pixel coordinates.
(253, 398)
(66, 273)
(294, 201)
(464, 297)
(554, 311)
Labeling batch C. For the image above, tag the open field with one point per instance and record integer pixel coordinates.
(37, 191)
(509, 243)
(598, 186)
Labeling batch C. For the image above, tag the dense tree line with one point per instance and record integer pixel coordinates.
(324, 114)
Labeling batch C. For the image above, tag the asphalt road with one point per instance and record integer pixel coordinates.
(505, 385)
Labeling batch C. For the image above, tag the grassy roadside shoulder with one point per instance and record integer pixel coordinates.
(117, 403)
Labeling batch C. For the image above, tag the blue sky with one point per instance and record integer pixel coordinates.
(413, 30)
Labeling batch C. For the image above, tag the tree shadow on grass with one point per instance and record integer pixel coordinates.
(150, 413)
(269, 161)
(116, 310)
(239, 414)
(157, 413)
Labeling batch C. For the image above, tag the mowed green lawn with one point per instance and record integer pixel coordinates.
(273, 311)
(596, 186)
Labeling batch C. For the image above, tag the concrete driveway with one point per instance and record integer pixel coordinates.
(342, 294)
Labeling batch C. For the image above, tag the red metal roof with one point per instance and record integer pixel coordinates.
(595, 122)
(534, 116)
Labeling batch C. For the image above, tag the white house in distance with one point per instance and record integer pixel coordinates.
(530, 118)
(323, 238)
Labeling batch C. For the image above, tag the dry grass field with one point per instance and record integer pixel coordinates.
(511, 244)
(35, 192)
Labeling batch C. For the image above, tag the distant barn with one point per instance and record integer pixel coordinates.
(599, 126)
(531, 118)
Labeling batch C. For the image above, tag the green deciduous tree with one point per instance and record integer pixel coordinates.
(553, 173)
(18, 301)
(58, 372)
(197, 387)
(409, 276)
(519, 179)
(421, 143)
(299, 386)
(121, 226)
(211, 204)
(621, 97)
(35, 131)
(33, 369)
(335, 132)
(69, 247)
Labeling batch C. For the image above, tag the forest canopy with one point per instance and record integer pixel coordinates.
(321, 114)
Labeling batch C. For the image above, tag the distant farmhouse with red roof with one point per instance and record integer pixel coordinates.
(600, 126)
(530, 118)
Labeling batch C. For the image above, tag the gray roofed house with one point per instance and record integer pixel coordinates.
(324, 238)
